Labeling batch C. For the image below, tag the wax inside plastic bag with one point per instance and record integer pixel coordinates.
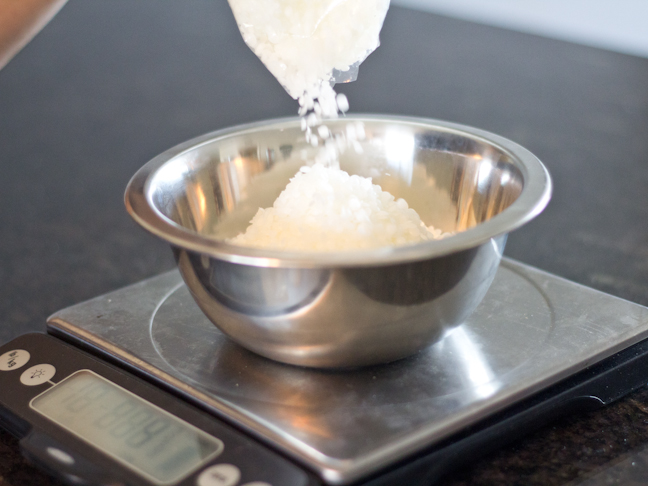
(306, 43)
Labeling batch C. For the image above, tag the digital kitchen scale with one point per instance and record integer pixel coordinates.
(160, 396)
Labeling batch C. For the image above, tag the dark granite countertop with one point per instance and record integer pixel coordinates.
(110, 84)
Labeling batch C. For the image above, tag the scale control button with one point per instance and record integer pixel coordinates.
(14, 359)
(61, 456)
(219, 475)
(37, 375)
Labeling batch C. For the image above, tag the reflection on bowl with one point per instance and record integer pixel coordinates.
(351, 308)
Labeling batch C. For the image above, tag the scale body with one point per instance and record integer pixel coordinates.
(60, 400)
(538, 346)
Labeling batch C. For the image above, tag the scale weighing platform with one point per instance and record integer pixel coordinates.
(150, 392)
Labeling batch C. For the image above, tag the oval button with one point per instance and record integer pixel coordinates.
(14, 359)
(37, 375)
(219, 475)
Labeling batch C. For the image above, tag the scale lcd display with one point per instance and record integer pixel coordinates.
(135, 432)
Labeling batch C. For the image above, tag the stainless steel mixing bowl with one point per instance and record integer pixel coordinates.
(340, 309)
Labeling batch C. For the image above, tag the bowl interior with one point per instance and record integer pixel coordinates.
(454, 180)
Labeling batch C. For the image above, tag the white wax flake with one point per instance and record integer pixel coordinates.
(326, 209)
(312, 120)
(323, 131)
(342, 102)
(351, 131)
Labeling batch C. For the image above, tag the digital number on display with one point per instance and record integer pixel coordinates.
(140, 435)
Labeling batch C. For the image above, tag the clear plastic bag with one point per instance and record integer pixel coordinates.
(308, 43)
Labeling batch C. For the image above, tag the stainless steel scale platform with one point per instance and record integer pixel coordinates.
(532, 333)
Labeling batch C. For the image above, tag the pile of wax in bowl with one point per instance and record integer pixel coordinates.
(326, 209)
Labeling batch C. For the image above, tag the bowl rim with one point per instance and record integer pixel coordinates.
(535, 195)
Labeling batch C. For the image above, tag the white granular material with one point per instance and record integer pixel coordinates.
(326, 209)
(309, 45)
(302, 42)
